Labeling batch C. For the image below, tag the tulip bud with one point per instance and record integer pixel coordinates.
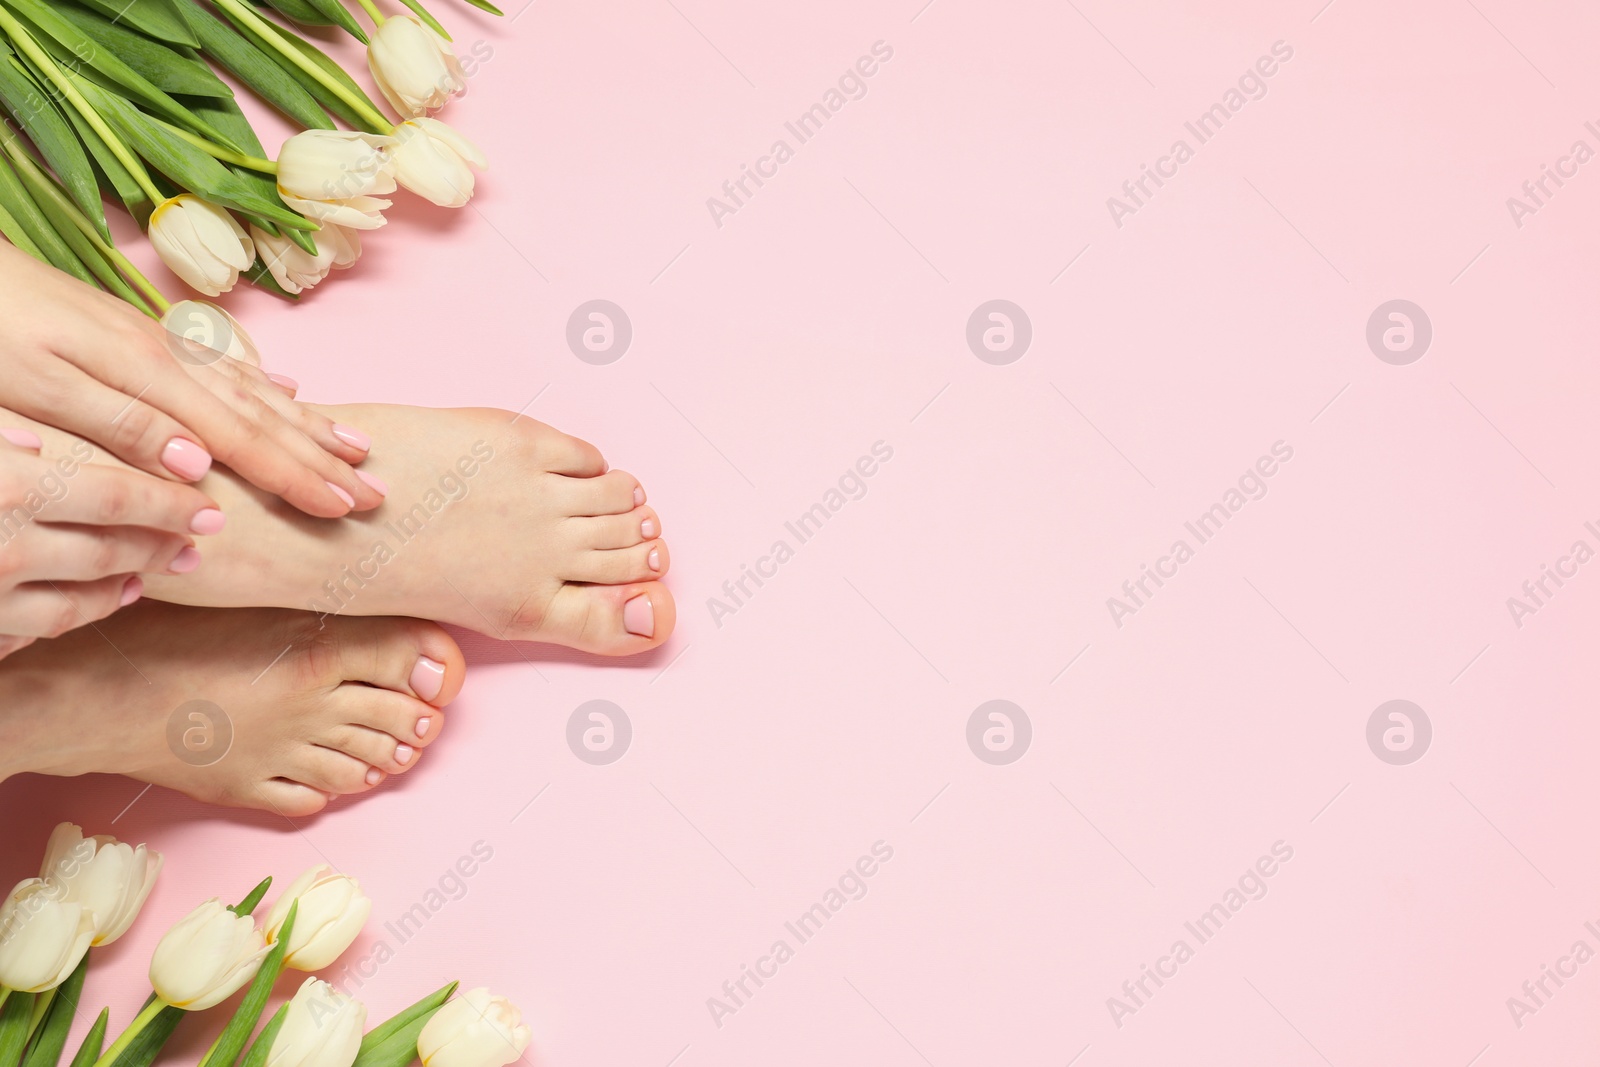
(297, 270)
(436, 162)
(475, 1030)
(415, 68)
(201, 243)
(199, 333)
(332, 911)
(207, 957)
(42, 936)
(110, 879)
(322, 1028)
(337, 176)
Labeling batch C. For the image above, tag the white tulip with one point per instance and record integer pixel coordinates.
(200, 330)
(110, 879)
(322, 1028)
(475, 1030)
(207, 957)
(415, 68)
(201, 243)
(332, 912)
(42, 936)
(298, 270)
(337, 176)
(436, 162)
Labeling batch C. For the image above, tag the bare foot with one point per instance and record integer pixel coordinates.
(256, 708)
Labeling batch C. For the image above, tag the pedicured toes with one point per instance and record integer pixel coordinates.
(291, 799)
(620, 566)
(610, 620)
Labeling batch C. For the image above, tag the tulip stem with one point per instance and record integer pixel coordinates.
(124, 1039)
(269, 33)
(378, 17)
(216, 151)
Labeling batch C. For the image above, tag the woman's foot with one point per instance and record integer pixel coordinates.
(257, 708)
(491, 521)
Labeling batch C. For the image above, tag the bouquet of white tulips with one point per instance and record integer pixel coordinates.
(119, 98)
(92, 889)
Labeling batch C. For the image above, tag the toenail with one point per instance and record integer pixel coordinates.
(638, 496)
(184, 561)
(207, 521)
(639, 617)
(422, 726)
(284, 382)
(26, 439)
(349, 501)
(132, 590)
(375, 483)
(427, 678)
(403, 754)
(186, 459)
(352, 437)
(374, 776)
(648, 528)
(655, 559)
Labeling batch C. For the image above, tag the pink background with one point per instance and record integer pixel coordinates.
(830, 711)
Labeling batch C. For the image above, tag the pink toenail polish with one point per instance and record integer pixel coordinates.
(655, 559)
(207, 521)
(427, 678)
(648, 528)
(284, 382)
(23, 439)
(639, 617)
(374, 776)
(422, 726)
(186, 459)
(638, 496)
(375, 483)
(133, 590)
(352, 437)
(403, 754)
(349, 501)
(184, 561)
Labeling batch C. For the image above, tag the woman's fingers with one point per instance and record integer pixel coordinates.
(66, 490)
(58, 552)
(50, 609)
(347, 443)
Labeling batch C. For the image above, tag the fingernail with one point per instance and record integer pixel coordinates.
(186, 459)
(284, 382)
(352, 437)
(639, 617)
(422, 726)
(133, 590)
(427, 678)
(349, 501)
(374, 776)
(377, 484)
(655, 559)
(403, 754)
(23, 439)
(648, 528)
(207, 521)
(638, 496)
(184, 561)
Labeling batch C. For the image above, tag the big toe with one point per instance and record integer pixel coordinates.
(407, 656)
(610, 620)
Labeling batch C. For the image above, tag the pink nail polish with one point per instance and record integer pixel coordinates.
(403, 754)
(349, 501)
(377, 484)
(186, 459)
(639, 617)
(184, 561)
(284, 382)
(638, 496)
(422, 726)
(133, 590)
(655, 559)
(352, 437)
(23, 439)
(427, 678)
(374, 776)
(207, 521)
(648, 528)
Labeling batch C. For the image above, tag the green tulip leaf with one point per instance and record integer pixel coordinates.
(153, 18)
(14, 1016)
(175, 69)
(320, 13)
(315, 55)
(50, 1040)
(93, 1042)
(393, 1043)
(427, 17)
(484, 5)
(247, 906)
(257, 1056)
(59, 254)
(225, 1050)
(243, 58)
(36, 112)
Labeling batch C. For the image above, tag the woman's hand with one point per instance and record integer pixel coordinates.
(74, 536)
(83, 361)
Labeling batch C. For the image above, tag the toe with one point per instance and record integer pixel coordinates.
(328, 770)
(404, 719)
(378, 750)
(610, 620)
(612, 493)
(561, 453)
(619, 566)
(406, 655)
(618, 531)
(287, 798)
